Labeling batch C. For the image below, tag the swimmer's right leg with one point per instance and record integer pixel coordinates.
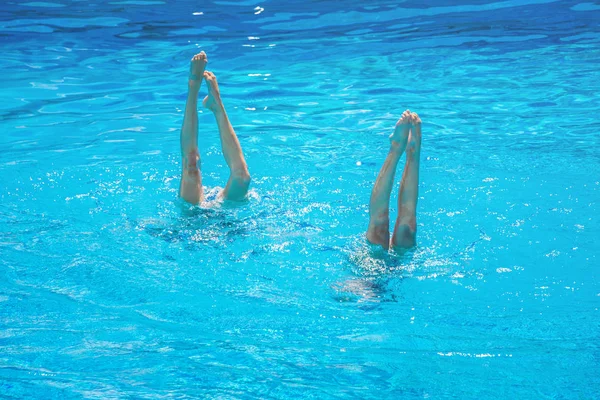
(405, 229)
(379, 206)
(190, 188)
(239, 177)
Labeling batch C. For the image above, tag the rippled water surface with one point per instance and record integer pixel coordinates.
(111, 287)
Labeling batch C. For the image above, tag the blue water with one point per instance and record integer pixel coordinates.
(111, 287)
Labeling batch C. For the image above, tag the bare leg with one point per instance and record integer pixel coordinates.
(190, 188)
(405, 230)
(239, 177)
(379, 205)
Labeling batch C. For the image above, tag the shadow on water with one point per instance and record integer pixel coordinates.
(377, 272)
(216, 222)
(209, 224)
(375, 275)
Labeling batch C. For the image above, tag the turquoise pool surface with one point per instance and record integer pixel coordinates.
(111, 287)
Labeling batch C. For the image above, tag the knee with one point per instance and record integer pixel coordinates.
(381, 217)
(405, 236)
(411, 224)
(191, 161)
(242, 176)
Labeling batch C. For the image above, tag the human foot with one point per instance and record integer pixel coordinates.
(197, 66)
(401, 132)
(213, 100)
(414, 140)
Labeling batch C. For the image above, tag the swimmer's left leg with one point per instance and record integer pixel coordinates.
(239, 177)
(405, 230)
(190, 188)
(378, 231)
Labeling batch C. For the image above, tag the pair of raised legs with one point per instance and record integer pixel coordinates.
(406, 137)
(190, 188)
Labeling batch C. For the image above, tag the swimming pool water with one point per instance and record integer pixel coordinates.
(111, 287)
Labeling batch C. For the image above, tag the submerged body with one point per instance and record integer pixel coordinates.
(406, 137)
(190, 188)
